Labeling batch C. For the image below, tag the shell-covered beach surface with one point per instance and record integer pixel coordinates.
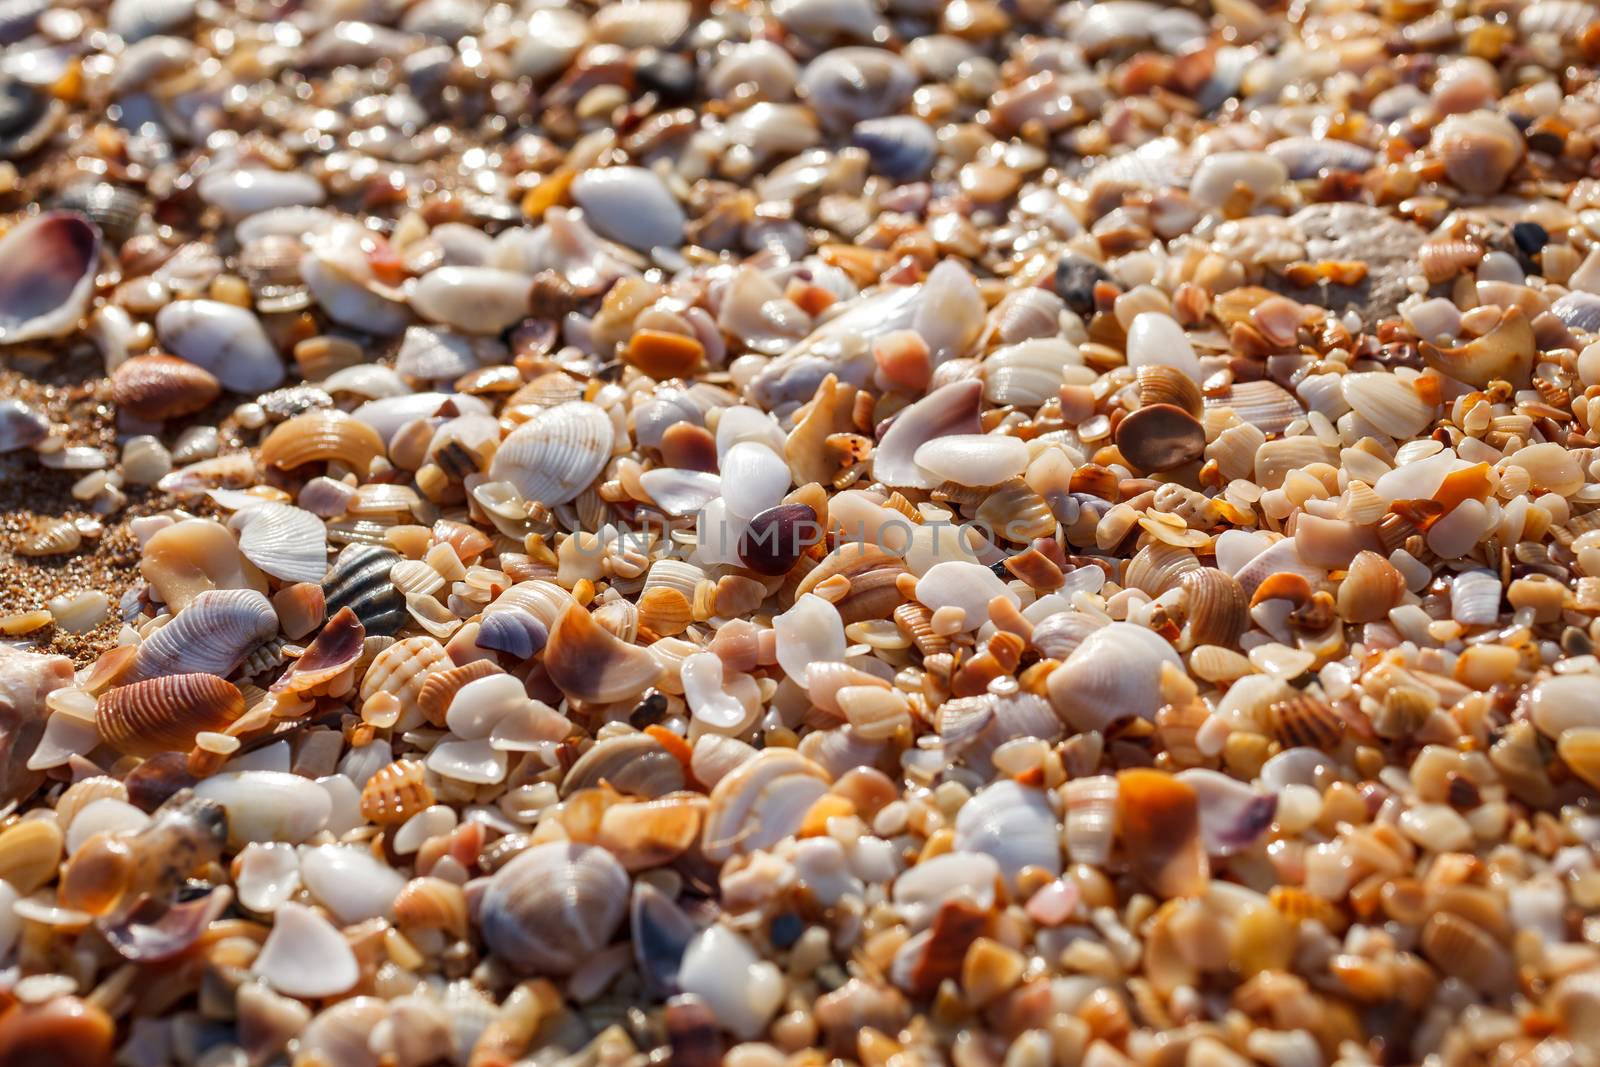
(997, 533)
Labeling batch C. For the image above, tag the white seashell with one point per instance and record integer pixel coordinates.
(339, 277)
(438, 355)
(711, 704)
(251, 189)
(680, 492)
(47, 269)
(106, 815)
(285, 541)
(1389, 402)
(267, 805)
(345, 804)
(266, 876)
(286, 222)
(1564, 702)
(1278, 557)
(742, 990)
(920, 891)
(950, 311)
(474, 299)
(430, 822)
(134, 20)
(478, 762)
(388, 413)
(226, 340)
(555, 455)
(754, 478)
(1113, 674)
(1091, 818)
(630, 205)
(827, 19)
(306, 956)
(1014, 825)
(968, 586)
(810, 632)
(1218, 175)
(950, 409)
(553, 907)
(842, 345)
(212, 635)
(760, 802)
(1156, 340)
(552, 37)
(973, 459)
(1028, 373)
(341, 1033)
(352, 883)
(1475, 598)
(743, 423)
(480, 705)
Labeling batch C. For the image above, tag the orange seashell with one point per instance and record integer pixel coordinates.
(1505, 353)
(1468, 483)
(1159, 816)
(662, 354)
(396, 792)
(162, 387)
(440, 687)
(62, 1030)
(432, 904)
(164, 714)
(1442, 258)
(322, 437)
(1304, 721)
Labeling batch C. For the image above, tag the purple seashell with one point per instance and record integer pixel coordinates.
(513, 631)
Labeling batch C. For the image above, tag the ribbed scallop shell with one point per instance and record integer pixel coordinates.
(165, 714)
(396, 792)
(1263, 404)
(415, 576)
(46, 536)
(1161, 384)
(1012, 823)
(674, 574)
(402, 668)
(634, 763)
(284, 541)
(162, 387)
(322, 437)
(1442, 258)
(1462, 949)
(1479, 150)
(1158, 567)
(1058, 636)
(557, 454)
(359, 579)
(1217, 607)
(211, 636)
(553, 907)
(1475, 598)
(440, 687)
(516, 633)
(1027, 373)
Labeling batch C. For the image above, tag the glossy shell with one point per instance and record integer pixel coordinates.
(164, 714)
(554, 906)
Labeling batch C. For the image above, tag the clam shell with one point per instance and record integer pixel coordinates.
(1463, 950)
(162, 387)
(439, 687)
(629, 205)
(514, 632)
(1029, 372)
(47, 269)
(1113, 674)
(1216, 605)
(30, 851)
(1505, 353)
(1158, 567)
(1475, 598)
(1263, 404)
(1579, 310)
(553, 907)
(482, 300)
(1389, 402)
(284, 541)
(634, 763)
(359, 580)
(972, 459)
(226, 340)
(1013, 824)
(46, 536)
(1479, 150)
(322, 437)
(1442, 258)
(557, 454)
(164, 714)
(902, 147)
(1168, 385)
(210, 636)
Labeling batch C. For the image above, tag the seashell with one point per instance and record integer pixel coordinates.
(754, 479)
(1310, 157)
(284, 541)
(1461, 949)
(950, 409)
(1014, 825)
(967, 586)
(210, 636)
(322, 437)
(249, 190)
(1389, 402)
(589, 664)
(761, 802)
(326, 666)
(840, 346)
(189, 557)
(336, 273)
(20, 426)
(660, 933)
(1113, 674)
(973, 727)
(1090, 819)
(680, 492)
(439, 687)
(396, 793)
(304, 955)
(1170, 386)
(479, 300)
(1475, 598)
(514, 632)
(557, 454)
(634, 763)
(162, 387)
(1159, 437)
(1579, 749)
(1217, 607)
(432, 904)
(845, 86)
(1232, 815)
(1443, 258)
(1016, 513)
(352, 883)
(1559, 18)
(164, 714)
(631, 206)
(1158, 818)
(1057, 636)
(1027, 373)
(1479, 150)
(553, 907)
(775, 539)
(154, 933)
(403, 669)
(61, 1029)
(30, 851)
(1265, 405)
(267, 875)
(47, 271)
(976, 460)
(1155, 339)
(1276, 460)
(901, 147)
(1505, 353)
(226, 340)
(1158, 567)
(1579, 310)
(1219, 175)
(359, 580)
(267, 805)
(1304, 721)
(47, 536)
(739, 990)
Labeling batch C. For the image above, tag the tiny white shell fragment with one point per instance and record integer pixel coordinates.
(266, 875)
(741, 989)
(478, 762)
(352, 883)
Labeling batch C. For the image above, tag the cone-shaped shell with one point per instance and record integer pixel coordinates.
(553, 907)
(211, 636)
(555, 455)
(165, 714)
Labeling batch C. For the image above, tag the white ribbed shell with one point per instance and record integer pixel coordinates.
(556, 455)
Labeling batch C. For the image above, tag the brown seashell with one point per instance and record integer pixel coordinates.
(663, 355)
(1216, 605)
(651, 833)
(872, 573)
(162, 387)
(301, 607)
(1283, 585)
(322, 437)
(1160, 384)
(396, 792)
(1579, 749)
(1505, 353)
(440, 687)
(62, 1030)
(48, 536)
(1158, 567)
(1303, 721)
(916, 622)
(1092, 479)
(164, 714)
(1442, 258)
(1159, 817)
(1370, 589)
(1263, 404)
(665, 611)
(590, 664)
(1159, 437)
(432, 904)
(1300, 906)
(97, 875)
(1462, 950)
(326, 665)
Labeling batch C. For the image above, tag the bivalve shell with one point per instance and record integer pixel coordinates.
(554, 456)
(162, 387)
(553, 907)
(322, 437)
(165, 714)
(210, 636)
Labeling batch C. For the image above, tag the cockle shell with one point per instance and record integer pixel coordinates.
(403, 669)
(164, 714)
(210, 636)
(322, 437)
(554, 456)
(553, 907)
(1090, 818)
(1029, 372)
(47, 269)
(761, 802)
(226, 340)
(284, 541)
(1479, 150)
(396, 792)
(162, 387)
(1112, 675)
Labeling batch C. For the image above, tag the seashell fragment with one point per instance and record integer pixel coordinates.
(1158, 816)
(1505, 353)
(630, 205)
(322, 437)
(950, 409)
(1113, 674)
(588, 663)
(47, 269)
(305, 955)
(267, 805)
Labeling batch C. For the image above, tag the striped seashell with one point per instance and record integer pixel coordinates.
(1263, 404)
(402, 669)
(1028, 373)
(47, 536)
(211, 636)
(514, 632)
(634, 763)
(1158, 567)
(414, 576)
(1091, 818)
(915, 621)
(557, 454)
(1160, 384)
(1276, 459)
(1464, 950)
(1392, 404)
(665, 612)
(432, 904)
(284, 541)
(359, 580)
(322, 437)
(760, 802)
(1217, 607)
(544, 600)
(674, 574)
(161, 387)
(396, 792)
(441, 686)
(165, 714)
(1304, 721)
(1361, 503)
(553, 907)
(1475, 598)
(1442, 258)
(29, 852)
(1016, 513)
(1562, 19)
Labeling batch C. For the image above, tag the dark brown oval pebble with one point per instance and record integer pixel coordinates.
(775, 539)
(1160, 437)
